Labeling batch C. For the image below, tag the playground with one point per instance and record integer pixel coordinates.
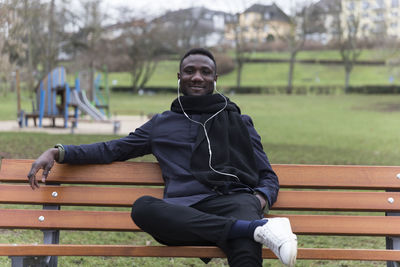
(63, 106)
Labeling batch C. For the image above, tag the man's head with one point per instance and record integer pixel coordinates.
(197, 72)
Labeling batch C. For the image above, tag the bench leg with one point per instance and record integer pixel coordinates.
(28, 261)
(392, 243)
(51, 237)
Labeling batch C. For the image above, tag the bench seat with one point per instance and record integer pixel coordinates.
(322, 200)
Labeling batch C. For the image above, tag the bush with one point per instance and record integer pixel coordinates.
(225, 64)
(375, 89)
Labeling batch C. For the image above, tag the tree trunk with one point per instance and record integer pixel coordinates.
(91, 92)
(289, 88)
(239, 74)
(49, 48)
(347, 81)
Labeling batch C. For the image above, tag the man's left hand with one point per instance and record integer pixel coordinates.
(262, 200)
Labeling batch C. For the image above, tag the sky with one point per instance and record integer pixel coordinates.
(145, 8)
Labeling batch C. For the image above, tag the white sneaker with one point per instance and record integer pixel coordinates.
(277, 235)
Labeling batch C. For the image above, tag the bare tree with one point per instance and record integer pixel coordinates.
(239, 50)
(87, 42)
(5, 65)
(348, 45)
(143, 54)
(137, 50)
(295, 38)
(29, 43)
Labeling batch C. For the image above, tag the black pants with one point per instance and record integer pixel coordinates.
(205, 223)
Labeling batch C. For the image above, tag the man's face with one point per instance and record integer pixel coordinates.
(197, 75)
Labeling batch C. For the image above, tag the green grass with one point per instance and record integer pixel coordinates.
(321, 54)
(275, 74)
(313, 129)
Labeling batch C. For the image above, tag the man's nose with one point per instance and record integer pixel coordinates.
(197, 76)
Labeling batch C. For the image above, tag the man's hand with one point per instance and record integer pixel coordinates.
(262, 200)
(45, 162)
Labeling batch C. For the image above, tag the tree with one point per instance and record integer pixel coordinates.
(30, 42)
(144, 55)
(236, 27)
(137, 49)
(240, 50)
(5, 65)
(295, 37)
(348, 45)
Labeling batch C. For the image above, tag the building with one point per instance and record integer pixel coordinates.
(376, 18)
(196, 26)
(259, 24)
(324, 17)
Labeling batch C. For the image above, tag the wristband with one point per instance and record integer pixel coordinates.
(61, 152)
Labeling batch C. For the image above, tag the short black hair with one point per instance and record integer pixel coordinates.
(199, 51)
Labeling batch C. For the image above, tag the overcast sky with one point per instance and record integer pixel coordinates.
(145, 8)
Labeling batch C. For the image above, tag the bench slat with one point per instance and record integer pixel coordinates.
(75, 195)
(121, 221)
(118, 173)
(187, 251)
(149, 173)
(337, 201)
(338, 176)
(125, 196)
(71, 220)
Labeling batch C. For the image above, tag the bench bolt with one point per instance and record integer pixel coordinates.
(390, 200)
(54, 194)
(41, 218)
(398, 176)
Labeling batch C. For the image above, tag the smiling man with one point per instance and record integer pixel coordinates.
(218, 180)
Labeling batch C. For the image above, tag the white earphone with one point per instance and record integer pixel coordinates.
(205, 130)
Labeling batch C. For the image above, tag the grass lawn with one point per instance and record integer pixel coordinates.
(321, 54)
(274, 74)
(306, 129)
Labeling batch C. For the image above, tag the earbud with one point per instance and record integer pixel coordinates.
(215, 85)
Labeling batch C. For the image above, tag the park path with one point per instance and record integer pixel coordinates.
(85, 126)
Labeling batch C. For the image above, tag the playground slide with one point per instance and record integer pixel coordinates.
(80, 99)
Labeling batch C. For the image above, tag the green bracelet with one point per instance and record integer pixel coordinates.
(61, 152)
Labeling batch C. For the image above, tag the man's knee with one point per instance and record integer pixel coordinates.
(140, 208)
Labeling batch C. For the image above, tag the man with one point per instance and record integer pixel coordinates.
(218, 180)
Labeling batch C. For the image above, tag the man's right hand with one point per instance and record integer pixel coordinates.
(45, 162)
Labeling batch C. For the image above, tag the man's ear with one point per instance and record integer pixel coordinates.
(179, 75)
(215, 78)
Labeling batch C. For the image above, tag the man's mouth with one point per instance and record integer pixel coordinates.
(196, 87)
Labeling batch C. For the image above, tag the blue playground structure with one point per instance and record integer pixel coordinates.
(54, 98)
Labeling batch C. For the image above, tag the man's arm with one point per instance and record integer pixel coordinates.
(134, 145)
(268, 186)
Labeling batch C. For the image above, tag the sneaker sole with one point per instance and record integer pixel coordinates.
(293, 257)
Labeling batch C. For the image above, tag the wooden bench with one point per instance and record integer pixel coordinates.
(308, 194)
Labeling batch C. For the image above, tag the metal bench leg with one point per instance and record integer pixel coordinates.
(26, 261)
(51, 237)
(392, 243)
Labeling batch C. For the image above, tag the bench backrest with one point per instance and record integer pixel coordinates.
(304, 187)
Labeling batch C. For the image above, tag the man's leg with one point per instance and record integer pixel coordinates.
(179, 225)
(210, 221)
(243, 206)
